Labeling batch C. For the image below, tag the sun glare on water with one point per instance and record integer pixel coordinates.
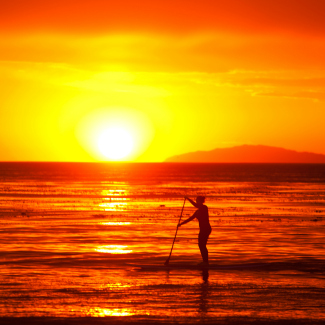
(115, 143)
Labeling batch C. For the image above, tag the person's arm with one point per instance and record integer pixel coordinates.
(186, 221)
(191, 201)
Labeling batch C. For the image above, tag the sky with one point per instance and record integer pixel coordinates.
(141, 80)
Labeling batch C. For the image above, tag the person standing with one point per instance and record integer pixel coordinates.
(202, 214)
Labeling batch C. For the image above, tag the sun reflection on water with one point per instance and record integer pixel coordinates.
(114, 192)
(112, 204)
(118, 285)
(114, 199)
(113, 249)
(113, 223)
(103, 312)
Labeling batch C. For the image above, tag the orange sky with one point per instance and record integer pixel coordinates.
(179, 75)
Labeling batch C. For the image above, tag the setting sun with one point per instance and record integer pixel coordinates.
(114, 133)
(115, 143)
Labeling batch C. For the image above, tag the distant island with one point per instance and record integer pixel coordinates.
(249, 154)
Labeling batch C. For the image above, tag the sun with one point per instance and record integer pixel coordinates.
(115, 143)
(115, 134)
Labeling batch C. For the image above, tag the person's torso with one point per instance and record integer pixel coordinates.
(202, 215)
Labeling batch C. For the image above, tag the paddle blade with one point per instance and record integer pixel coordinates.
(167, 261)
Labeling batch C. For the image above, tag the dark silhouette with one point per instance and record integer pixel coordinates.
(249, 154)
(202, 214)
(170, 254)
(205, 294)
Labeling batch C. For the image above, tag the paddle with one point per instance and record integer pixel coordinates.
(167, 261)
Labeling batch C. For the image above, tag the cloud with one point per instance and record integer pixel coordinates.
(201, 52)
(316, 96)
(280, 78)
(289, 84)
(283, 82)
(101, 79)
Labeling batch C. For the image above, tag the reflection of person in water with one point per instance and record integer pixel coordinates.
(204, 293)
(202, 214)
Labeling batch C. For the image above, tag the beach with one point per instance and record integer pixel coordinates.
(76, 240)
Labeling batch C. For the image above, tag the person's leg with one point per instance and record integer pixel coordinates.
(203, 239)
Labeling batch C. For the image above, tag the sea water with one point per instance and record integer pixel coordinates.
(73, 235)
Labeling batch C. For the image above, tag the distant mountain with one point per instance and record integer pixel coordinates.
(249, 154)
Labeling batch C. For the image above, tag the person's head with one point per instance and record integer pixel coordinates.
(200, 199)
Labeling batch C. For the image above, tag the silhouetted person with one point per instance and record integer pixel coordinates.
(202, 214)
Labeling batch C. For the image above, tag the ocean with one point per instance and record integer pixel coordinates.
(75, 235)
